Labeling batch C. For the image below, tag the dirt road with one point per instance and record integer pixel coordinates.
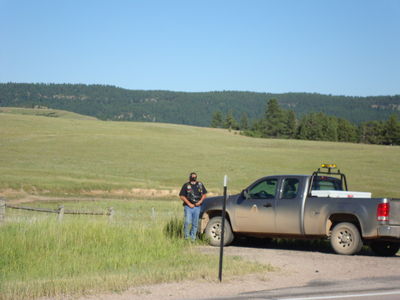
(295, 267)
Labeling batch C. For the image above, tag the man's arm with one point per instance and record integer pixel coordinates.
(186, 201)
(204, 196)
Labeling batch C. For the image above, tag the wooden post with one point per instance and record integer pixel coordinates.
(2, 210)
(153, 213)
(111, 214)
(60, 213)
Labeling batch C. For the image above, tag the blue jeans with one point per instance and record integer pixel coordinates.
(191, 218)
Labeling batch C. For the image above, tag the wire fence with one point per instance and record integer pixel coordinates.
(61, 211)
(139, 215)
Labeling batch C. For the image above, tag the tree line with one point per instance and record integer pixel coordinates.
(318, 126)
(107, 102)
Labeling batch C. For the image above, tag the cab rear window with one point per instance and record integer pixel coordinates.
(323, 183)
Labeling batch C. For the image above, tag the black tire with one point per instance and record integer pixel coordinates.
(213, 232)
(346, 239)
(382, 248)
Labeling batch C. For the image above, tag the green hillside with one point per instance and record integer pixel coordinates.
(44, 112)
(113, 103)
(64, 156)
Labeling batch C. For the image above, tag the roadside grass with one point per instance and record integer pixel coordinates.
(89, 254)
(67, 157)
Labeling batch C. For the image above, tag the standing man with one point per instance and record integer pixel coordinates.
(192, 194)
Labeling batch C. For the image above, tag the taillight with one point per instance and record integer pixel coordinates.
(382, 213)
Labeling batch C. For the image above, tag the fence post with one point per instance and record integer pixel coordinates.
(2, 210)
(111, 214)
(60, 213)
(221, 247)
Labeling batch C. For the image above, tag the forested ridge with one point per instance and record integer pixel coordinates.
(112, 103)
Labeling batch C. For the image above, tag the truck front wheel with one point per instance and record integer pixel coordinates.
(385, 248)
(346, 239)
(213, 232)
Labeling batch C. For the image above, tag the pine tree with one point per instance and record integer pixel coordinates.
(310, 128)
(291, 124)
(346, 131)
(392, 131)
(216, 121)
(372, 132)
(274, 119)
(329, 127)
(230, 121)
(244, 122)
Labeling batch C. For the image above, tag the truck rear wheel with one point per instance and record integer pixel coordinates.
(346, 239)
(382, 248)
(213, 232)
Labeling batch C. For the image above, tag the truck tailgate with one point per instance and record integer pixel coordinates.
(394, 217)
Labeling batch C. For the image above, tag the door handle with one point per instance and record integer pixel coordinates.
(267, 205)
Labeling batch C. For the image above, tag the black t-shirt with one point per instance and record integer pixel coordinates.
(193, 192)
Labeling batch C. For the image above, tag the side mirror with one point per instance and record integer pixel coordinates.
(245, 194)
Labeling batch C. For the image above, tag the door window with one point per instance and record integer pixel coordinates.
(265, 189)
(290, 188)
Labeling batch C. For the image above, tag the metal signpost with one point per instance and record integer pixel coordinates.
(221, 249)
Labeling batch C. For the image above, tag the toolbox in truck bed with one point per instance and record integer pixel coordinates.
(340, 194)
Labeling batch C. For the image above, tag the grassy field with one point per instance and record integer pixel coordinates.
(64, 156)
(89, 254)
(44, 112)
(57, 154)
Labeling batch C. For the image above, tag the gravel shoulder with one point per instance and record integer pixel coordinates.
(294, 268)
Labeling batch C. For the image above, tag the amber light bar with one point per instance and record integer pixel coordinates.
(329, 166)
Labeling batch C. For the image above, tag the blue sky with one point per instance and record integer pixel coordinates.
(342, 47)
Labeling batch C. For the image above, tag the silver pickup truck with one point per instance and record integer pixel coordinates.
(306, 206)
